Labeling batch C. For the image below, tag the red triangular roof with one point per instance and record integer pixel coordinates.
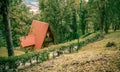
(28, 40)
(37, 34)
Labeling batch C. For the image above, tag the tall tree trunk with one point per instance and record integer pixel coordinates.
(102, 17)
(6, 21)
(106, 28)
(83, 22)
(106, 19)
(74, 24)
(119, 23)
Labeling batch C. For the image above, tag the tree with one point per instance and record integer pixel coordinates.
(62, 16)
(106, 14)
(114, 14)
(83, 18)
(93, 16)
(98, 14)
(21, 19)
(6, 21)
(102, 7)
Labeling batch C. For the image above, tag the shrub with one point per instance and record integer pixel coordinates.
(43, 55)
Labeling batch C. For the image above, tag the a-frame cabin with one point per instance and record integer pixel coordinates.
(40, 35)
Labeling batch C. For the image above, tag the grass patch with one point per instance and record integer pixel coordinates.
(4, 53)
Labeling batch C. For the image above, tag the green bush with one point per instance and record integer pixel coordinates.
(2, 42)
(43, 55)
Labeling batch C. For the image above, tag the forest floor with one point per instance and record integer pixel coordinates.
(94, 57)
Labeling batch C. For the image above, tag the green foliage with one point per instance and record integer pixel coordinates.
(62, 16)
(66, 20)
(43, 55)
(103, 14)
(20, 19)
(87, 34)
(2, 42)
(65, 17)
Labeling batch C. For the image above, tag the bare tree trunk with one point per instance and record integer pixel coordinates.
(6, 21)
(102, 16)
(105, 17)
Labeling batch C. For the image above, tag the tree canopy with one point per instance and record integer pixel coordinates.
(67, 18)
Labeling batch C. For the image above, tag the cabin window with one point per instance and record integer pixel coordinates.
(48, 35)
